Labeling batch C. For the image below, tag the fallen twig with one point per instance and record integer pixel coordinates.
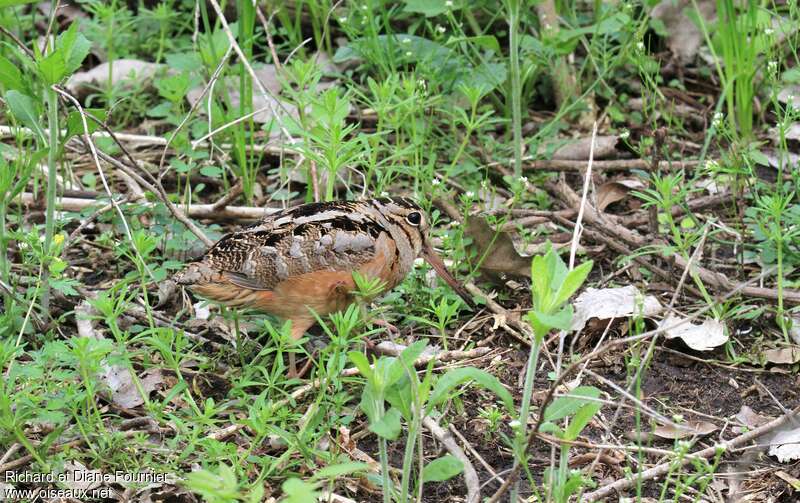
(204, 211)
(447, 440)
(609, 165)
(719, 282)
(663, 468)
(575, 365)
(394, 349)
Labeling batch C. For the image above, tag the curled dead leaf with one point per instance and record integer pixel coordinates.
(783, 356)
(684, 37)
(579, 149)
(607, 303)
(785, 445)
(611, 192)
(685, 430)
(129, 71)
(495, 250)
(700, 337)
(750, 418)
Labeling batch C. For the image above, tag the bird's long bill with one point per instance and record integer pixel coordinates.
(430, 255)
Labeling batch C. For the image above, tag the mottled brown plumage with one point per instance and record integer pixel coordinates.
(302, 259)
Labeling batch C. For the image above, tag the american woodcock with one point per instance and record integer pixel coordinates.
(302, 259)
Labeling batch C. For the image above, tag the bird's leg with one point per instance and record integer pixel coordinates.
(299, 327)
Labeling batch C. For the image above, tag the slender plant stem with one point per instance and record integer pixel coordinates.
(524, 411)
(383, 454)
(516, 83)
(50, 222)
(408, 457)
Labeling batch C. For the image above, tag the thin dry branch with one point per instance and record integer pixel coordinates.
(200, 211)
(663, 468)
(607, 224)
(609, 165)
(449, 443)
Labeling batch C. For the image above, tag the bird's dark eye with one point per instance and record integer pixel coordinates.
(414, 218)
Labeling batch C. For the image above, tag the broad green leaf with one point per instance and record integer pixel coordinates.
(75, 122)
(759, 158)
(25, 110)
(551, 428)
(11, 3)
(540, 281)
(400, 397)
(561, 320)
(388, 426)
(298, 491)
(581, 418)
(429, 8)
(405, 361)
(333, 471)
(560, 270)
(564, 406)
(74, 47)
(573, 281)
(52, 67)
(443, 468)
(10, 76)
(361, 363)
(456, 377)
(486, 76)
(370, 399)
(486, 41)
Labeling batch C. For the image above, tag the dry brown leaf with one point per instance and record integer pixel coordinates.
(607, 303)
(498, 253)
(700, 337)
(130, 71)
(124, 392)
(684, 38)
(578, 150)
(785, 445)
(611, 192)
(750, 418)
(783, 356)
(685, 430)
(117, 378)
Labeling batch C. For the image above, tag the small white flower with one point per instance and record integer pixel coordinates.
(448, 3)
(717, 121)
(22, 245)
(435, 182)
(440, 28)
(625, 134)
(409, 54)
(406, 40)
(469, 194)
(514, 424)
(790, 98)
(712, 165)
(640, 46)
(684, 445)
(364, 7)
(384, 194)
(772, 66)
(768, 31)
(343, 19)
(524, 180)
